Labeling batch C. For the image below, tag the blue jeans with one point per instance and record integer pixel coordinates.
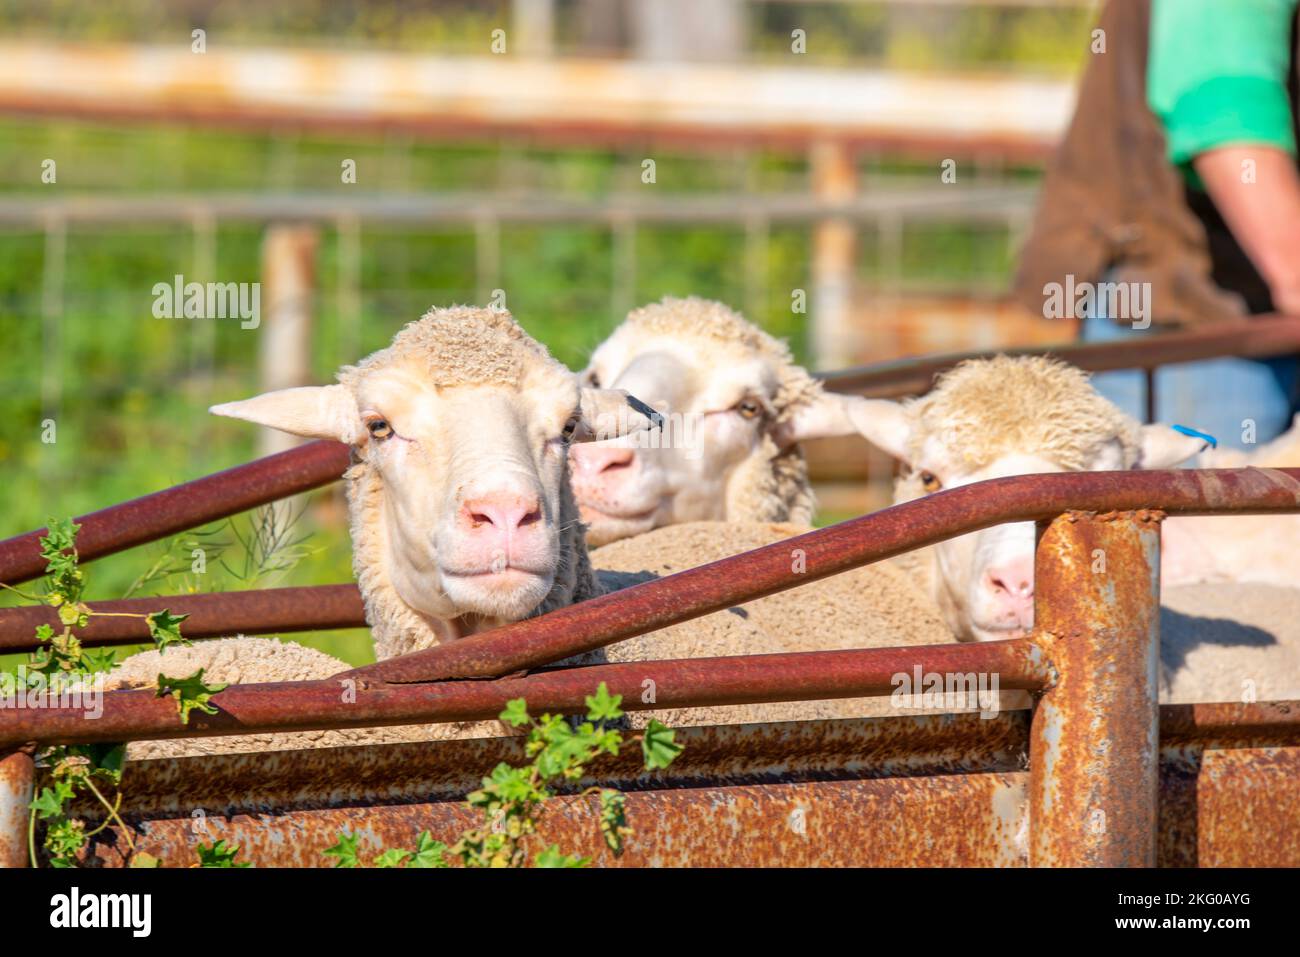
(1217, 396)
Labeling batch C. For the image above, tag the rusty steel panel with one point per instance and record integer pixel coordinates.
(1229, 774)
(969, 820)
(1257, 336)
(1094, 737)
(184, 506)
(257, 612)
(923, 790)
(694, 682)
(928, 790)
(1230, 807)
(17, 772)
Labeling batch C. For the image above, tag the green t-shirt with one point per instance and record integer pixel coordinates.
(1217, 75)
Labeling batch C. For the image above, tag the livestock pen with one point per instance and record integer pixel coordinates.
(1096, 774)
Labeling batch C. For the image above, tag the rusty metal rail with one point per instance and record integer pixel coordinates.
(1099, 790)
(258, 612)
(693, 682)
(1257, 337)
(180, 507)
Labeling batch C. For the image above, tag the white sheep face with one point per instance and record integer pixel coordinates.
(718, 407)
(472, 475)
(983, 582)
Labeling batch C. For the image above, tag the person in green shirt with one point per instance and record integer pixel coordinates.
(1220, 79)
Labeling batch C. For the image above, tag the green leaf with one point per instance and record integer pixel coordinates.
(613, 819)
(511, 784)
(428, 852)
(98, 659)
(345, 850)
(164, 628)
(64, 837)
(142, 859)
(189, 693)
(393, 857)
(60, 534)
(551, 857)
(516, 713)
(658, 745)
(49, 803)
(220, 854)
(603, 706)
(108, 759)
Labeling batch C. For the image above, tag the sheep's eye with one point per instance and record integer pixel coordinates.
(593, 380)
(930, 482)
(570, 427)
(749, 409)
(379, 428)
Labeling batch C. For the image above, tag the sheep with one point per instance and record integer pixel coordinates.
(461, 513)
(462, 516)
(460, 510)
(738, 406)
(1010, 416)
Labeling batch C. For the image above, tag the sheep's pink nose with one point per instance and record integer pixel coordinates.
(502, 512)
(592, 460)
(1011, 586)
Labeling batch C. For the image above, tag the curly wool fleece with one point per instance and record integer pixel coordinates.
(1039, 404)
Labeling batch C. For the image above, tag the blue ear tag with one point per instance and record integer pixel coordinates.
(1214, 443)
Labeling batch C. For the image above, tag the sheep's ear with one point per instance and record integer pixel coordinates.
(609, 413)
(1160, 447)
(879, 421)
(315, 412)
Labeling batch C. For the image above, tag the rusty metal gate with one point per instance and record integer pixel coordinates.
(1096, 774)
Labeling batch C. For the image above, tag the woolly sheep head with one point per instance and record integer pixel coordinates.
(992, 418)
(465, 424)
(736, 406)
